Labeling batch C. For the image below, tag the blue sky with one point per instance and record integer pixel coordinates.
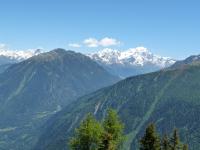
(166, 27)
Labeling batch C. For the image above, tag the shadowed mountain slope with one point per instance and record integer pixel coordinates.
(34, 89)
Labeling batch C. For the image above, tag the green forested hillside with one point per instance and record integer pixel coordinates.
(169, 98)
(33, 90)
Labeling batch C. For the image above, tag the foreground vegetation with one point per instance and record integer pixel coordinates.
(152, 141)
(93, 135)
(109, 135)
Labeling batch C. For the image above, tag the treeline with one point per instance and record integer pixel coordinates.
(152, 141)
(108, 134)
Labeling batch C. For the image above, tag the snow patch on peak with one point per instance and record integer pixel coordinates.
(138, 56)
(106, 55)
(19, 55)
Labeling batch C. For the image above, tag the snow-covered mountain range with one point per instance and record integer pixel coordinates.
(15, 56)
(138, 56)
(133, 61)
(126, 63)
(9, 57)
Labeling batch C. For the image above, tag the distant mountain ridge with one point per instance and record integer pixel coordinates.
(138, 56)
(120, 63)
(16, 56)
(192, 60)
(131, 62)
(9, 57)
(36, 88)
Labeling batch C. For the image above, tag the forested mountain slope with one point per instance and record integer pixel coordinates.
(170, 98)
(33, 90)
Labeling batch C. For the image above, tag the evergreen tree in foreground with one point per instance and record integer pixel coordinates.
(88, 135)
(175, 142)
(92, 135)
(151, 140)
(185, 147)
(108, 135)
(113, 131)
(165, 143)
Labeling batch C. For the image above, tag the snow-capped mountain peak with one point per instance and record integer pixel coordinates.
(126, 63)
(106, 55)
(138, 56)
(19, 55)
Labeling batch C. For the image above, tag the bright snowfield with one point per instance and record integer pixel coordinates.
(126, 63)
(138, 56)
(131, 62)
(19, 55)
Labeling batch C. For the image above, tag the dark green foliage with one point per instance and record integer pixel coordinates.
(88, 136)
(113, 131)
(151, 140)
(165, 143)
(175, 142)
(92, 135)
(185, 147)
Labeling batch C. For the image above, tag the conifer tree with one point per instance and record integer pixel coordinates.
(113, 131)
(175, 142)
(88, 136)
(151, 140)
(185, 147)
(165, 143)
(91, 135)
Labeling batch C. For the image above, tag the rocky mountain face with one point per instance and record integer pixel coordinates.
(33, 90)
(169, 98)
(130, 62)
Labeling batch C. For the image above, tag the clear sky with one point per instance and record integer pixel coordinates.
(166, 27)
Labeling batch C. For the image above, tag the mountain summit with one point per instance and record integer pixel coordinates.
(34, 89)
(127, 63)
(16, 56)
(9, 57)
(131, 62)
(192, 60)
